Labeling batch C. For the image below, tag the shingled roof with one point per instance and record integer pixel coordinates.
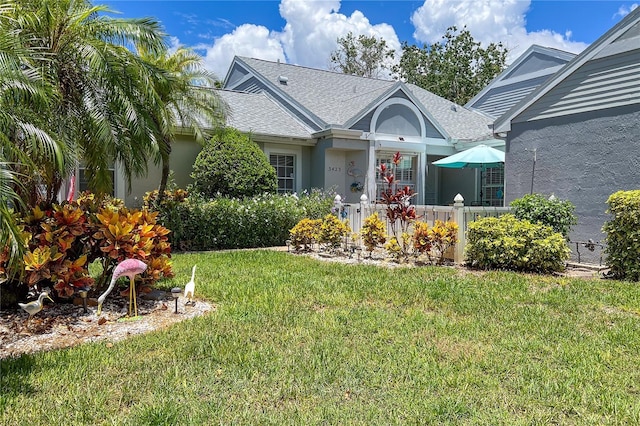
(336, 99)
(260, 115)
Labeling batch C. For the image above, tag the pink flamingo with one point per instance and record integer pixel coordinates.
(127, 268)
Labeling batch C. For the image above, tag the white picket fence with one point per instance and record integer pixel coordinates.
(458, 213)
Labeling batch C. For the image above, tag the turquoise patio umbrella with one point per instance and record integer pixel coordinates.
(480, 157)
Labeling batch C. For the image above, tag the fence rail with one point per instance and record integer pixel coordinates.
(458, 213)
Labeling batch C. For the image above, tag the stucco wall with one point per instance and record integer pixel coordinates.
(583, 158)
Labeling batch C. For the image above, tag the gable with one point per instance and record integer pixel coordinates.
(536, 61)
(600, 84)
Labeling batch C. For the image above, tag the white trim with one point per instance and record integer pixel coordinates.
(288, 150)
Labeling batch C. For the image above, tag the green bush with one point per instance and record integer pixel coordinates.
(223, 223)
(232, 165)
(509, 243)
(558, 214)
(623, 235)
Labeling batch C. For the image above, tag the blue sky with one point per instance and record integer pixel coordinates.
(304, 32)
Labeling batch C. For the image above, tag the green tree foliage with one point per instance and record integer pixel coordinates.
(456, 69)
(182, 99)
(232, 165)
(365, 56)
(536, 208)
(623, 235)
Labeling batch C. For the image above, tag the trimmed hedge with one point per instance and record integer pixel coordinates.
(536, 208)
(227, 223)
(509, 243)
(623, 235)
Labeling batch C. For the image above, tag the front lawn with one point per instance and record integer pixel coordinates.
(299, 341)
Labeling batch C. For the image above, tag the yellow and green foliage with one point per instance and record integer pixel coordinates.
(305, 233)
(373, 232)
(623, 235)
(442, 236)
(509, 243)
(421, 240)
(333, 231)
(61, 242)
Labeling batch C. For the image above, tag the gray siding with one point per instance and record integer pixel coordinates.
(499, 100)
(536, 62)
(599, 84)
(583, 158)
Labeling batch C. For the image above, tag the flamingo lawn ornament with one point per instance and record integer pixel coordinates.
(34, 307)
(190, 287)
(127, 268)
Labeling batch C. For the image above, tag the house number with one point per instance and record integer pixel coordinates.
(334, 169)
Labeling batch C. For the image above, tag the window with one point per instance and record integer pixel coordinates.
(493, 186)
(285, 171)
(82, 182)
(405, 172)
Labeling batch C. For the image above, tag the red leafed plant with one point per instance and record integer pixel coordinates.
(63, 241)
(398, 200)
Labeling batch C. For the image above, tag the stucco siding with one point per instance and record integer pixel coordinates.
(582, 158)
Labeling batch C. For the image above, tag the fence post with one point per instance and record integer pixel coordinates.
(364, 207)
(458, 214)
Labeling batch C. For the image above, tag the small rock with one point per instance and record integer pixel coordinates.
(155, 295)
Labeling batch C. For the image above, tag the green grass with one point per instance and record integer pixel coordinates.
(297, 341)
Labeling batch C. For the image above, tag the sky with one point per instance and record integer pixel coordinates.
(304, 32)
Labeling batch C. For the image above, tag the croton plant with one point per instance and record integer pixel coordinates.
(63, 241)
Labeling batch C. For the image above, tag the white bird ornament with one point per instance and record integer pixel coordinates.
(190, 288)
(34, 307)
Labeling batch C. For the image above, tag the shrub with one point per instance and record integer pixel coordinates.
(305, 233)
(623, 235)
(232, 165)
(317, 202)
(373, 232)
(536, 208)
(509, 243)
(442, 236)
(223, 223)
(63, 241)
(333, 231)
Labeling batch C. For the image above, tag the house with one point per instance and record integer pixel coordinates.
(578, 135)
(523, 76)
(322, 129)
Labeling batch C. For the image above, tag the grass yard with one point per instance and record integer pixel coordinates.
(298, 341)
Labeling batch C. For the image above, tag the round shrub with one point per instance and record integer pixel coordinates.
(509, 243)
(623, 235)
(558, 214)
(232, 165)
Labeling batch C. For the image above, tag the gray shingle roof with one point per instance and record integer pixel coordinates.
(259, 114)
(337, 98)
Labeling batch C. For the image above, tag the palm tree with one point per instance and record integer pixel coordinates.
(24, 145)
(183, 98)
(96, 110)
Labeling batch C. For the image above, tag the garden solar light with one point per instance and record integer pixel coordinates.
(83, 294)
(127, 268)
(34, 307)
(175, 292)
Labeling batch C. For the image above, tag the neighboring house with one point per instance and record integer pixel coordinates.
(578, 135)
(522, 77)
(353, 125)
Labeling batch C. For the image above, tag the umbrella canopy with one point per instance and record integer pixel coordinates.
(481, 156)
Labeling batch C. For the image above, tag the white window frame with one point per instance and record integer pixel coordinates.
(270, 150)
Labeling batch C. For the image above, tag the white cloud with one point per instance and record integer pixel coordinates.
(308, 37)
(488, 21)
(624, 10)
(254, 41)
